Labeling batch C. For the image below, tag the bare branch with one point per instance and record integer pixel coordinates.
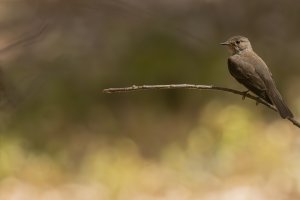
(198, 87)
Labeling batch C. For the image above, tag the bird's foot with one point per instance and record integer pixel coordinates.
(245, 94)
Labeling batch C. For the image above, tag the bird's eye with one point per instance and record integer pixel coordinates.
(238, 42)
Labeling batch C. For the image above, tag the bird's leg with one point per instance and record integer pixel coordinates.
(245, 94)
(262, 97)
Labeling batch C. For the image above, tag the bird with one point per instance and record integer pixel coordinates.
(251, 71)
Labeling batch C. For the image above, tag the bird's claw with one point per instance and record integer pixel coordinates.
(245, 94)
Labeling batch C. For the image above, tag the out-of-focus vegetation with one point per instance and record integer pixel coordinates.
(61, 138)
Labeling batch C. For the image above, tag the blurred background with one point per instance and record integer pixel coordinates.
(62, 138)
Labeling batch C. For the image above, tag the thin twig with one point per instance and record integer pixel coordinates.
(198, 87)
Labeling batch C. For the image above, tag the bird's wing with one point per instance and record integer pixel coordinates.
(255, 75)
(275, 95)
(245, 73)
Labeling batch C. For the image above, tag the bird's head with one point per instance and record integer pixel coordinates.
(236, 44)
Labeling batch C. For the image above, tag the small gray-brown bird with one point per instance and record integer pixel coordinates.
(251, 71)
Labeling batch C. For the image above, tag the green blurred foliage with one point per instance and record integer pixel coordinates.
(62, 138)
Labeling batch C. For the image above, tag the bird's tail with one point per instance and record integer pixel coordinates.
(277, 100)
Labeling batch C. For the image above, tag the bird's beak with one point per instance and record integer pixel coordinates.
(224, 43)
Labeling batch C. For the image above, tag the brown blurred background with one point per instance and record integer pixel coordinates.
(62, 138)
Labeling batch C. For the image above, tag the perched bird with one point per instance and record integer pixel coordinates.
(252, 72)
